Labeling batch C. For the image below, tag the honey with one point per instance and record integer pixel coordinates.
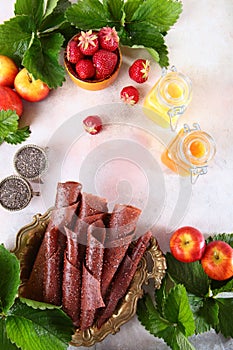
(168, 99)
(189, 152)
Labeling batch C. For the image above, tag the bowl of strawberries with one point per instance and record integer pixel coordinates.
(93, 58)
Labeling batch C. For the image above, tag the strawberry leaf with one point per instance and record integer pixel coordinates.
(88, 14)
(9, 279)
(32, 8)
(226, 288)
(162, 14)
(160, 326)
(130, 7)
(15, 37)
(225, 316)
(41, 60)
(18, 136)
(226, 237)
(38, 305)
(115, 10)
(5, 343)
(8, 122)
(38, 329)
(191, 275)
(54, 16)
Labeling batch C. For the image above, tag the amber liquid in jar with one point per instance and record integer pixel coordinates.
(168, 99)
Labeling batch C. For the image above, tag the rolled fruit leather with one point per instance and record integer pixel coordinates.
(122, 224)
(44, 283)
(92, 209)
(123, 277)
(91, 298)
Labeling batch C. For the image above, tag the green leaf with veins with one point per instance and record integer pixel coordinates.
(225, 316)
(52, 21)
(191, 275)
(228, 238)
(88, 14)
(162, 14)
(9, 279)
(18, 136)
(115, 10)
(5, 343)
(130, 6)
(38, 305)
(38, 329)
(8, 122)
(41, 60)
(32, 8)
(15, 37)
(50, 7)
(173, 326)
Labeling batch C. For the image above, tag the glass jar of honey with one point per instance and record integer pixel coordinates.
(190, 152)
(168, 99)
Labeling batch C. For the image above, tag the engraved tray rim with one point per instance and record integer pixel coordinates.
(126, 309)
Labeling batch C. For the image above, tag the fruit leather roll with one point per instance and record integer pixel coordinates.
(123, 278)
(92, 209)
(122, 224)
(91, 298)
(48, 260)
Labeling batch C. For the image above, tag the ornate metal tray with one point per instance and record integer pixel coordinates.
(152, 266)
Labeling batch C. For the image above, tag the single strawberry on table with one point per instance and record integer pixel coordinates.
(105, 63)
(108, 38)
(92, 124)
(130, 95)
(85, 68)
(139, 70)
(88, 42)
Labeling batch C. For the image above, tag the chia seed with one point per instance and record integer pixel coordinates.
(30, 162)
(15, 193)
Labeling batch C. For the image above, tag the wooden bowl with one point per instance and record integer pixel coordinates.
(91, 84)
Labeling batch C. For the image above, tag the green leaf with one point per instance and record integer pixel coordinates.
(177, 310)
(5, 343)
(150, 318)
(8, 122)
(88, 14)
(225, 316)
(226, 237)
(191, 275)
(9, 279)
(15, 37)
(161, 13)
(18, 136)
(41, 60)
(38, 329)
(31, 8)
(54, 17)
(147, 35)
(154, 54)
(38, 305)
(130, 7)
(50, 6)
(115, 10)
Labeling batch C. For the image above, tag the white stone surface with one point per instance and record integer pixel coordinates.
(201, 46)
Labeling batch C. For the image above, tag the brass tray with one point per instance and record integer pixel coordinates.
(152, 266)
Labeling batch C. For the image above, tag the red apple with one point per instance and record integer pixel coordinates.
(30, 89)
(9, 99)
(8, 71)
(217, 260)
(187, 244)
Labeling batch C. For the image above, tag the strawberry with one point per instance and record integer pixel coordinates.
(73, 51)
(88, 43)
(139, 70)
(108, 38)
(92, 124)
(130, 95)
(85, 69)
(105, 63)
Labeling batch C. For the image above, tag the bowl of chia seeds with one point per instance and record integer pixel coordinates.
(15, 193)
(31, 162)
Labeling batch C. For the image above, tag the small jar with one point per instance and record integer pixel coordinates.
(168, 99)
(15, 193)
(190, 152)
(31, 162)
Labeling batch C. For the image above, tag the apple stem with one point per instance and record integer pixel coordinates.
(29, 77)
